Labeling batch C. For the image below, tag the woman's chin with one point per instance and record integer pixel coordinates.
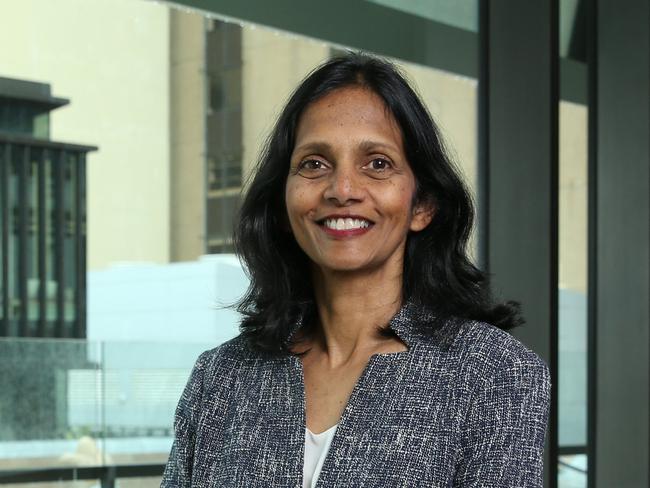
(346, 266)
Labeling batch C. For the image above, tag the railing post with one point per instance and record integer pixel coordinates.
(108, 478)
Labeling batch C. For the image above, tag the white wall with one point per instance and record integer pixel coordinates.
(173, 303)
(111, 59)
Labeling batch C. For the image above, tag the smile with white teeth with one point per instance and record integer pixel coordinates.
(346, 224)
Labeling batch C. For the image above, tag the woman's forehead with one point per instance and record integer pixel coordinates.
(350, 110)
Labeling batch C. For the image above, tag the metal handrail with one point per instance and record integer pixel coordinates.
(106, 474)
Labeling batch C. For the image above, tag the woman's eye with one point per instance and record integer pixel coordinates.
(311, 164)
(311, 168)
(379, 165)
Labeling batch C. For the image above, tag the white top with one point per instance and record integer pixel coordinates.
(316, 447)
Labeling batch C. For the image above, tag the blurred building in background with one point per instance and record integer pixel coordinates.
(42, 259)
(43, 218)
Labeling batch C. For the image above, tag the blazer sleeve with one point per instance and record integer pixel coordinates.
(502, 442)
(178, 471)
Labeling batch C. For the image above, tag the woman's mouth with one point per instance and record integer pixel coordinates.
(345, 226)
(346, 223)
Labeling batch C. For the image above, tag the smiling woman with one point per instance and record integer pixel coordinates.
(371, 352)
(350, 189)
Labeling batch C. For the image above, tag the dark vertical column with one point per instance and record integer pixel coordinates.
(592, 231)
(483, 174)
(622, 289)
(80, 236)
(41, 230)
(59, 236)
(22, 159)
(519, 127)
(4, 236)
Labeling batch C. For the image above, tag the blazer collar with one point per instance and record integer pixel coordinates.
(414, 324)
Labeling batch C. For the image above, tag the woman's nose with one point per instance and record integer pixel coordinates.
(343, 186)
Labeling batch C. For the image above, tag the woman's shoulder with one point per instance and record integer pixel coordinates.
(235, 350)
(219, 366)
(479, 352)
(489, 352)
(481, 338)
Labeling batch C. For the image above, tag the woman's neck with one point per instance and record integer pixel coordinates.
(350, 308)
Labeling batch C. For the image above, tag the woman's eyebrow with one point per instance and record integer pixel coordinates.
(368, 145)
(322, 146)
(315, 146)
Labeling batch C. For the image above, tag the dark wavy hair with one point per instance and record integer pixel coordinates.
(437, 272)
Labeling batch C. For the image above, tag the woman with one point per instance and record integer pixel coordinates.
(371, 352)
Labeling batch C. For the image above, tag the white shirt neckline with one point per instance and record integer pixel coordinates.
(316, 447)
(322, 433)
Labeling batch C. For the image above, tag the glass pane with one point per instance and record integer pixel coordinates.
(142, 383)
(573, 289)
(91, 404)
(221, 211)
(42, 125)
(23, 117)
(179, 120)
(47, 420)
(573, 188)
(462, 14)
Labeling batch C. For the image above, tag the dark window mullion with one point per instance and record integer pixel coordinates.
(23, 247)
(80, 254)
(59, 236)
(42, 274)
(592, 236)
(4, 208)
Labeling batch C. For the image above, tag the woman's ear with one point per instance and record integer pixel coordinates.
(423, 213)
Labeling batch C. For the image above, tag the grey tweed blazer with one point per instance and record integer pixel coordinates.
(466, 406)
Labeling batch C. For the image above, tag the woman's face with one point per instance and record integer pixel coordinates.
(350, 189)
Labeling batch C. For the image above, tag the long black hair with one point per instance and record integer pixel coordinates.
(437, 272)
